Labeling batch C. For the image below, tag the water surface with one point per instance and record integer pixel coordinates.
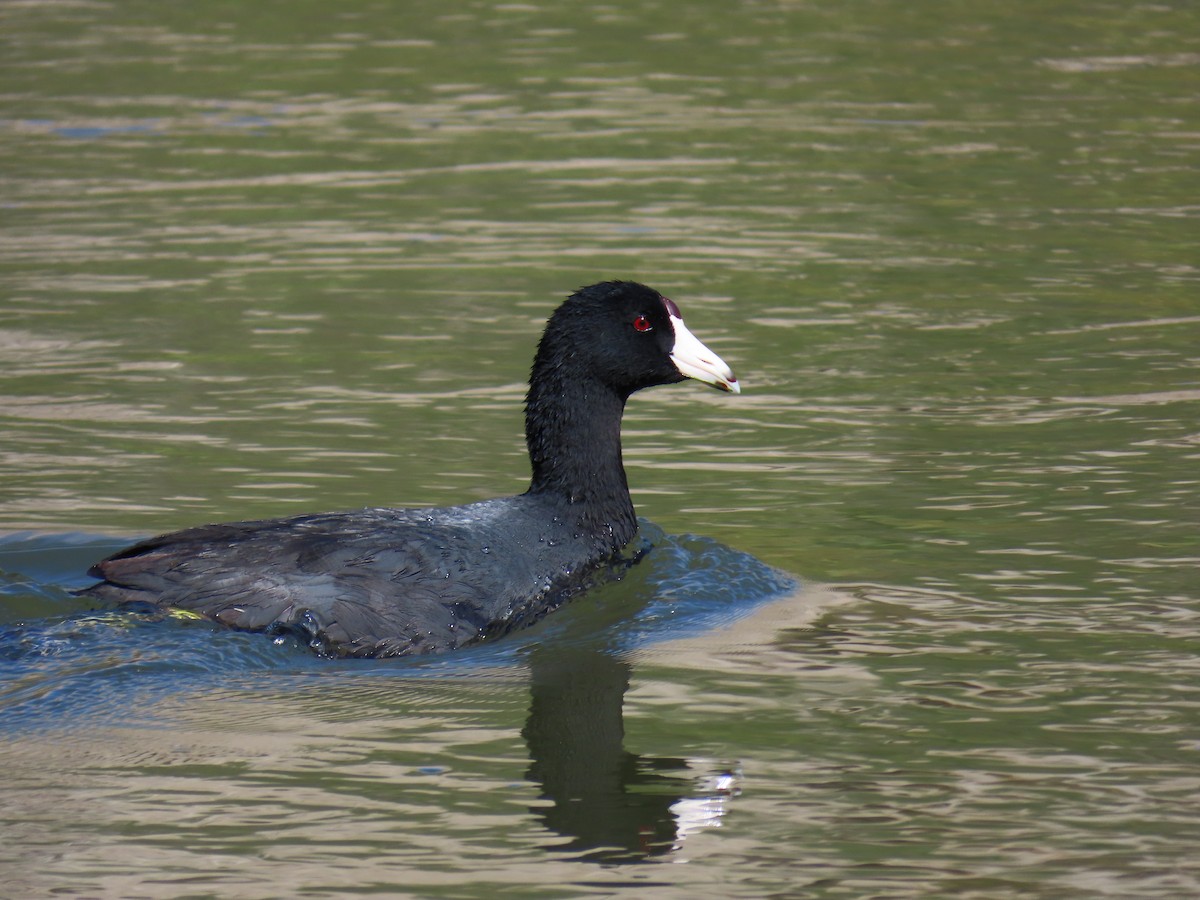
(938, 635)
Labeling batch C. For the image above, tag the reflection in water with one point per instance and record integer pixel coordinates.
(106, 681)
(611, 804)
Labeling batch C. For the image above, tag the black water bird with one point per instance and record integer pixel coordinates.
(390, 582)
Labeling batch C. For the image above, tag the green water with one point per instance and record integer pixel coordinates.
(257, 259)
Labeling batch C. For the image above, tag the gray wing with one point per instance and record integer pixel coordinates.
(383, 591)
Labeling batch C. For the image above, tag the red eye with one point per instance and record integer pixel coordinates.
(641, 323)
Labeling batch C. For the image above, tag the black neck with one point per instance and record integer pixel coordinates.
(573, 431)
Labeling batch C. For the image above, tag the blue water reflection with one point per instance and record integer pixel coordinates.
(82, 668)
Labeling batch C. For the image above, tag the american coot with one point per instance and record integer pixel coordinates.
(391, 582)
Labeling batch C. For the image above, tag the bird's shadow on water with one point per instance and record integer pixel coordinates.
(62, 660)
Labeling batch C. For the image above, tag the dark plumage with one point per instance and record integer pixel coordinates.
(389, 582)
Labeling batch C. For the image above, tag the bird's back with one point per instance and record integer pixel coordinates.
(372, 582)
